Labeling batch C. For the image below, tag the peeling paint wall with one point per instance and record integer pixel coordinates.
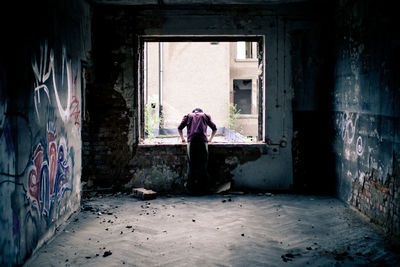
(40, 121)
(366, 109)
(111, 140)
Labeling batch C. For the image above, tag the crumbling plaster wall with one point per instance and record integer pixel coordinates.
(111, 140)
(40, 119)
(366, 109)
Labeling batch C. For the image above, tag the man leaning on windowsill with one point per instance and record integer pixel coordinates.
(197, 149)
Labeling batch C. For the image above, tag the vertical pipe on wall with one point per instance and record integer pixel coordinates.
(262, 87)
(284, 81)
(160, 84)
(146, 73)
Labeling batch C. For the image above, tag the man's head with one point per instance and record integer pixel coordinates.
(197, 110)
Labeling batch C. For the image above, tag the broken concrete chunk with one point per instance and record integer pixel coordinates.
(223, 188)
(144, 194)
(107, 253)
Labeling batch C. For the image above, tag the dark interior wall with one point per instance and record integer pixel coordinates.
(43, 44)
(366, 109)
(110, 108)
(293, 33)
(312, 56)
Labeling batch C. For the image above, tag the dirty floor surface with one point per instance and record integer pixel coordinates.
(218, 230)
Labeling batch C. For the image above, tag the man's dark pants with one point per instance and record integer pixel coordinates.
(198, 179)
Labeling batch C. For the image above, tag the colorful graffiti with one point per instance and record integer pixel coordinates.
(50, 171)
(50, 175)
(44, 71)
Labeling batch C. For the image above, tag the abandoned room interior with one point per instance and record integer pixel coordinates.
(306, 98)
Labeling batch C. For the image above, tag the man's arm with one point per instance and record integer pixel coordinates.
(181, 135)
(212, 136)
(212, 126)
(181, 126)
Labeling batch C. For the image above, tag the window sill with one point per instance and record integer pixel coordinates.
(247, 116)
(246, 60)
(254, 144)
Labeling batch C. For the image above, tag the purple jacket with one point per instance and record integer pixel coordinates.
(197, 126)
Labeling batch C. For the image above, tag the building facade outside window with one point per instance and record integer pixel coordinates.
(180, 76)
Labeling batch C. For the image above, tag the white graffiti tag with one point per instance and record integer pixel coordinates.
(347, 128)
(359, 146)
(347, 131)
(42, 75)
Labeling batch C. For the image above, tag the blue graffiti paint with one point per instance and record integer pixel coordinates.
(63, 175)
(8, 138)
(44, 193)
(15, 224)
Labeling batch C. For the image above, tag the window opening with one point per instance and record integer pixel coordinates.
(178, 76)
(242, 95)
(244, 50)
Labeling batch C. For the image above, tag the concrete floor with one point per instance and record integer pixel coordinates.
(217, 230)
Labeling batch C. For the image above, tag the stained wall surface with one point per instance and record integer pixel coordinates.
(111, 140)
(42, 50)
(366, 115)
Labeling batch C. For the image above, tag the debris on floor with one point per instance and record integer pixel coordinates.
(144, 194)
(107, 253)
(223, 188)
(289, 256)
(225, 200)
(238, 230)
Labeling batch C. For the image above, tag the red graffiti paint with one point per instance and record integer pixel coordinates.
(34, 176)
(75, 111)
(52, 156)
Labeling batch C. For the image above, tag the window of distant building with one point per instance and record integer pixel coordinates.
(245, 50)
(242, 95)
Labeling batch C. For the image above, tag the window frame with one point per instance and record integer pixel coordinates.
(139, 101)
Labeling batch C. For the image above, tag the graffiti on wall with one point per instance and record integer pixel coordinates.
(347, 127)
(50, 170)
(75, 114)
(50, 173)
(75, 111)
(45, 77)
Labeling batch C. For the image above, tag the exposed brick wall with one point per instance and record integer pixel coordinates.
(105, 140)
(379, 200)
(108, 130)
